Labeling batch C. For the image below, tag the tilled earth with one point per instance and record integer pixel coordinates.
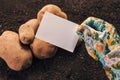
(64, 65)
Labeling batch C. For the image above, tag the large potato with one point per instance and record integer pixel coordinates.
(13, 53)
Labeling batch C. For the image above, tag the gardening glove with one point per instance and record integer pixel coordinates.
(102, 43)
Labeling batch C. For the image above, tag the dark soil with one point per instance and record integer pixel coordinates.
(64, 65)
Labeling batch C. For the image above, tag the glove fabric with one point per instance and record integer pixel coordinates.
(102, 43)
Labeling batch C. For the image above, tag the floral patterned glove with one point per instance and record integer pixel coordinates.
(102, 43)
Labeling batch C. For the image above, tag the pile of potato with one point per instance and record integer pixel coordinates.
(12, 45)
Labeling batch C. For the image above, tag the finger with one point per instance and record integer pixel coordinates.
(80, 28)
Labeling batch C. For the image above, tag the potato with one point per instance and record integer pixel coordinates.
(42, 49)
(27, 31)
(13, 53)
(52, 9)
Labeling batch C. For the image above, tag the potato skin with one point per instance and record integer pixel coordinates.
(13, 53)
(42, 49)
(52, 9)
(34, 23)
(27, 31)
(26, 34)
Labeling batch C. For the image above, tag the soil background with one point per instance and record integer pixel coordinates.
(64, 65)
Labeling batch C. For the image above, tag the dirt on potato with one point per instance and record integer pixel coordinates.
(64, 65)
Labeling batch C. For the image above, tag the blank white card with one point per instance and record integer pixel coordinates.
(58, 31)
